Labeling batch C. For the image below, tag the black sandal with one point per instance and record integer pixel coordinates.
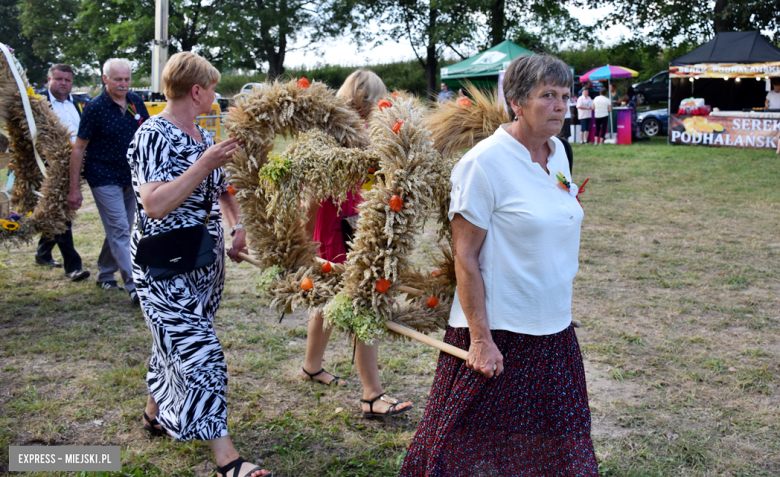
(333, 382)
(153, 431)
(391, 411)
(236, 464)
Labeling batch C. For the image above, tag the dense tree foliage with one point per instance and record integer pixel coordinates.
(11, 34)
(677, 21)
(257, 35)
(253, 32)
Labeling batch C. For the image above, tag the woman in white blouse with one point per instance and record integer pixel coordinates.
(518, 405)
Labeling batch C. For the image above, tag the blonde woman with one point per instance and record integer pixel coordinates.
(178, 181)
(362, 89)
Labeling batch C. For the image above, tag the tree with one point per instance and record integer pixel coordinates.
(430, 27)
(515, 19)
(259, 31)
(88, 32)
(675, 21)
(112, 28)
(11, 34)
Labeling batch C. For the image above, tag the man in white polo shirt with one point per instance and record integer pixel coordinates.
(60, 80)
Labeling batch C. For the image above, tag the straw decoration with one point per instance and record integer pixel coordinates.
(50, 212)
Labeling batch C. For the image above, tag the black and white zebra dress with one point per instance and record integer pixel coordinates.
(187, 372)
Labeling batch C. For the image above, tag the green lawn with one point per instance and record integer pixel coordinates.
(678, 293)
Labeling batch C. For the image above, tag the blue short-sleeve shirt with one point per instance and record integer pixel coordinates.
(109, 131)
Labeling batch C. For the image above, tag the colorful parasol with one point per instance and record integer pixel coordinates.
(608, 72)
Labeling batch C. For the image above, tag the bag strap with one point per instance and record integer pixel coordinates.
(569, 154)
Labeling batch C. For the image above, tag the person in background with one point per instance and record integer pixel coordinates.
(614, 97)
(362, 89)
(107, 126)
(566, 129)
(60, 79)
(573, 115)
(773, 102)
(518, 405)
(463, 100)
(583, 86)
(773, 97)
(445, 95)
(631, 105)
(179, 182)
(601, 109)
(584, 108)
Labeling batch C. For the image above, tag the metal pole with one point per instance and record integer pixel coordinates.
(160, 45)
(609, 95)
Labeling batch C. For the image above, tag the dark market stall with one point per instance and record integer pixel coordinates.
(717, 93)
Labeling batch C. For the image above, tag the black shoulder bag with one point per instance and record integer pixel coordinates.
(177, 251)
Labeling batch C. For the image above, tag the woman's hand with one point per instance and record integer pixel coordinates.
(238, 245)
(485, 358)
(221, 153)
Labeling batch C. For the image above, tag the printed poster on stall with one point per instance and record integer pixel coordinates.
(723, 131)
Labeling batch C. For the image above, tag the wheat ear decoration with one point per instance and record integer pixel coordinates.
(49, 212)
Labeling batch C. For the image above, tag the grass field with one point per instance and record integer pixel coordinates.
(677, 290)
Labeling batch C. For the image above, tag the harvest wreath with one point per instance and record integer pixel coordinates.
(332, 153)
(41, 184)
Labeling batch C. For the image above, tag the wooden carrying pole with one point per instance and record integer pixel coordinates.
(422, 338)
(398, 328)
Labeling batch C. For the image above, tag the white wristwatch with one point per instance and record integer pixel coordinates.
(233, 229)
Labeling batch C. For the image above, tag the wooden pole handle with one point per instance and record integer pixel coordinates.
(245, 257)
(422, 338)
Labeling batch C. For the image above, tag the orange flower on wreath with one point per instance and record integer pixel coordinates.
(464, 103)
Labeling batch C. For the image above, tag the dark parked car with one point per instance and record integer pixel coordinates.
(595, 87)
(653, 123)
(224, 104)
(653, 90)
(82, 97)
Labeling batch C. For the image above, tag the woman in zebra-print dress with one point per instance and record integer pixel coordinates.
(176, 169)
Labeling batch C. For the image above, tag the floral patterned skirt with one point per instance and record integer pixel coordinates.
(533, 420)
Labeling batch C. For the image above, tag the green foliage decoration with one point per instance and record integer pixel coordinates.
(267, 278)
(348, 315)
(275, 169)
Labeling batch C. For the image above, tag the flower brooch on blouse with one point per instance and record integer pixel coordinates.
(571, 187)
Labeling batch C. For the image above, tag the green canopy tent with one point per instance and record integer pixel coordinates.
(482, 69)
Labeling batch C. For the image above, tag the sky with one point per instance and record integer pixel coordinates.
(342, 52)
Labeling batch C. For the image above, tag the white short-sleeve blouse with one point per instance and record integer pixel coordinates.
(530, 254)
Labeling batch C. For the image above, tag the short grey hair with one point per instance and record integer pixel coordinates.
(111, 62)
(527, 72)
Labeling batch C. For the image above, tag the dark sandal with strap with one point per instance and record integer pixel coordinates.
(236, 464)
(391, 411)
(153, 431)
(333, 382)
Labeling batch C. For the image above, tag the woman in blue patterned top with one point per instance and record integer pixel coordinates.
(176, 169)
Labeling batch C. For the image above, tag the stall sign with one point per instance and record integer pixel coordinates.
(724, 131)
(725, 70)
